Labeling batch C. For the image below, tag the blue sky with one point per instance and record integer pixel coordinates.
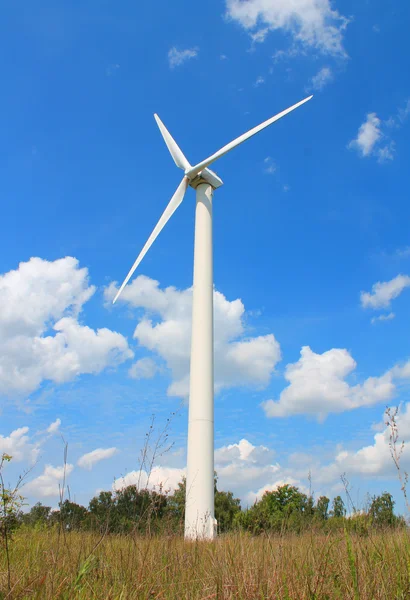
(311, 239)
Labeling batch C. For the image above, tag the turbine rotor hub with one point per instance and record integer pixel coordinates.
(206, 176)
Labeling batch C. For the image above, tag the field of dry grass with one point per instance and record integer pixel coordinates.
(46, 564)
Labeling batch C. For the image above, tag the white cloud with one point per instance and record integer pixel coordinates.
(49, 483)
(239, 360)
(178, 57)
(311, 23)
(87, 461)
(240, 467)
(270, 166)
(368, 135)
(249, 471)
(384, 292)
(386, 152)
(396, 121)
(318, 386)
(40, 335)
(54, 427)
(320, 80)
(403, 252)
(387, 317)
(260, 35)
(39, 292)
(144, 368)
(374, 135)
(259, 81)
(18, 445)
(164, 478)
(244, 468)
(404, 113)
(375, 459)
(244, 452)
(401, 371)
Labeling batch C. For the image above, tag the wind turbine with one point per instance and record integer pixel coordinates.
(199, 508)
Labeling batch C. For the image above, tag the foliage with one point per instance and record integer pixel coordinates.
(338, 508)
(71, 515)
(11, 502)
(284, 508)
(39, 515)
(381, 510)
(149, 512)
(322, 506)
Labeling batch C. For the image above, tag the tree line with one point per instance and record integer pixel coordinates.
(286, 509)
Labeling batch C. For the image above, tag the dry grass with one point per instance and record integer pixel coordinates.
(46, 565)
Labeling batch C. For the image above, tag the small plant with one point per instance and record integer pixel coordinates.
(11, 502)
(396, 449)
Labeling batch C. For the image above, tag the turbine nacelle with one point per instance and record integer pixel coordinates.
(205, 175)
(193, 175)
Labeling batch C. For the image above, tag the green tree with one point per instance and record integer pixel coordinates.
(226, 509)
(71, 515)
(38, 514)
(139, 508)
(338, 507)
(176, 502)
(286, 499)
(103, 512)
(322, 507)
(381, 510)
(286, 507)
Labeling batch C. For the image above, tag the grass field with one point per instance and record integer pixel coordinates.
(46, 564)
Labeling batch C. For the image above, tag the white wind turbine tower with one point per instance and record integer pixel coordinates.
(199, 509)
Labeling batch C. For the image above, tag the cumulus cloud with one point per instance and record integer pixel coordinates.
(40, 335)
(178, 57)
(165, 328)
(384, 292)
(54, 427)
(318, 386)
(250, 470)
(320, 80)
(374, 136)
(19, 446)
(241, 467)
(160, 478)
(49, 483)
(87, 461)
(245, 469)
(245, 452)
(375, 459)
(310, 23)
(368, 135)
(144, 368)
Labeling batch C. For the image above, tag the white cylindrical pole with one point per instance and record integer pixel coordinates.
(199, 508)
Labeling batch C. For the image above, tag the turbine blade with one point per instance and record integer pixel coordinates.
(166, 215)
(172, 146)
(191, 173)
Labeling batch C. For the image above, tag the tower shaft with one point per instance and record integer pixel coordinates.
(199, 508)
